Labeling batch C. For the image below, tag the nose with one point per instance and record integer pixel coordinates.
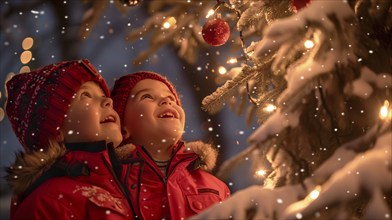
(166, 101)
(107, 102)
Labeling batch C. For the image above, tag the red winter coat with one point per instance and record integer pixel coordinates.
(81, 185)
(186, 189)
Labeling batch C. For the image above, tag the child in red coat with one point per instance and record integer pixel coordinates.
(64, 119)
(164, 179)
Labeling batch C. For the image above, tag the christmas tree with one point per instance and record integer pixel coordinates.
(318, 78)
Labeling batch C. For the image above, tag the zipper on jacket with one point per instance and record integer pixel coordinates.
(165, 177)
(119, 184)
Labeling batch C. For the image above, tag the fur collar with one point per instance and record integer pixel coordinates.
(206, 152)
(31, 165)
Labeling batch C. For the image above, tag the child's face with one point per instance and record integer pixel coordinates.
(152, 116)
(91, 117)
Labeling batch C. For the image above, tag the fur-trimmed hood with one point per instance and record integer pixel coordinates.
(28, 167)
(207, 154)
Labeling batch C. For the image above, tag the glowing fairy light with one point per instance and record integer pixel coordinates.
(315, 193)
(270, 108)
(222, 70)
(210, 13)
(308, 44)
(166, 25)
(385, 111)
(232, 60)
(170, 22)
(261, 173)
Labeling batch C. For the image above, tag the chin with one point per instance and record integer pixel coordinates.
(115, 140)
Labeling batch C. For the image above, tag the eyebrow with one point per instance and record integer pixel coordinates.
(147, 90)
(140, 91)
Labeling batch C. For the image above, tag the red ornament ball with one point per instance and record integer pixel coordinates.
(216, 32)
(299, 4)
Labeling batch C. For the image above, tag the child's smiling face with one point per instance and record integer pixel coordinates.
(91, 117)
(152, 116)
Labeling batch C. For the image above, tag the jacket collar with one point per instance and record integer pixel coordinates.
(92, 147)
(207, 154)
(29, 166)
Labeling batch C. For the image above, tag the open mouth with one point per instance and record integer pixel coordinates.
(168, 114)
(109, 119)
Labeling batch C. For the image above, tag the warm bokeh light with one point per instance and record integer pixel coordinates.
(2, 114)
(385, 111)
(315, 193)
(270, 108)
(170, 22)
(260, 172)
(222, 70)
(26, 56)
(232, 60)
(210, 12)
(27, 43)
(309, 44)
(24, 69)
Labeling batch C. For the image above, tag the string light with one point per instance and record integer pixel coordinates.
(232, 61)
(314, 194)
(308, 44)
(261, 173)
(270, 108)
(385, 111)
(210, 13)
(170, 22)
(222, 70)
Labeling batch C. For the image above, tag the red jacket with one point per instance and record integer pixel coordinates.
(81, 185)
(185, 191)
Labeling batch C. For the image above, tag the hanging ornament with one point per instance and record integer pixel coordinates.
(216, 32)
(130, 2)
(299, 4)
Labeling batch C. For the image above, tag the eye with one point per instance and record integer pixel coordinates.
(172, 98)
(146, 96)
(85, 94)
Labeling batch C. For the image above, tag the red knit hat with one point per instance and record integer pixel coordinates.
(124, 85)
(38, 101)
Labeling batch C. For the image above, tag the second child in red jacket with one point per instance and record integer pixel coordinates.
(164, 178)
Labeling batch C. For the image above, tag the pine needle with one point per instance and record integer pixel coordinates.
(215, 102)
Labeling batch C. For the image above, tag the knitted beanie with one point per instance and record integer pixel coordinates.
(123, 86)
(38, 101)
